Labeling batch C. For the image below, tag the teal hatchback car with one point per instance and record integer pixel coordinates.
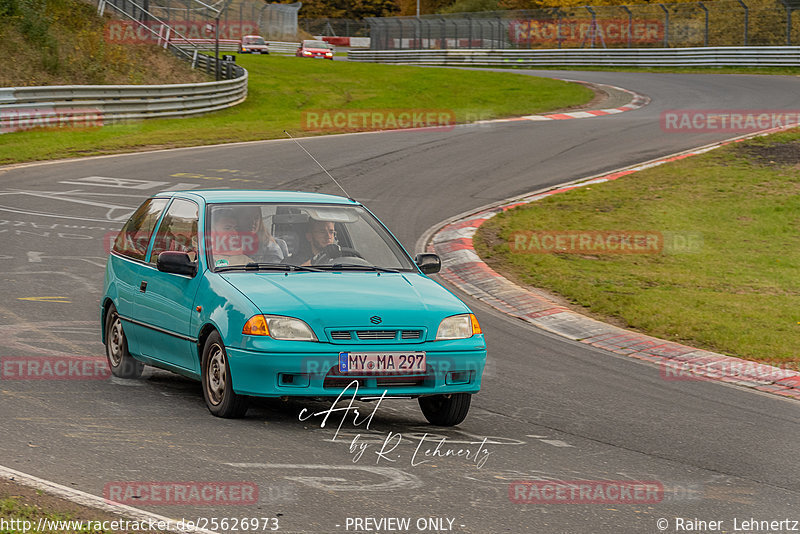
(277, 293)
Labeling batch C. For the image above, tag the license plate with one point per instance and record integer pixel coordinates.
(382, 362)
(256, 51)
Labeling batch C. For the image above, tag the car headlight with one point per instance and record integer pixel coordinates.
(279, 327)
(458, 327)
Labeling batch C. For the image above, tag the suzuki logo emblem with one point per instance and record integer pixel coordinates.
(375, 319)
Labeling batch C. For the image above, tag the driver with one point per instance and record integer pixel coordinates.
(321, 235)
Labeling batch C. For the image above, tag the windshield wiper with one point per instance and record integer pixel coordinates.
(253, 266)
(357, 267)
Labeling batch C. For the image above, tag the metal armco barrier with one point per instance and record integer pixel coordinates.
(277, 48)
(282, 48)
(94, 105)
(766, 56)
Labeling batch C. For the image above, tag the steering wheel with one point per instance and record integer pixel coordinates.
(332, 252)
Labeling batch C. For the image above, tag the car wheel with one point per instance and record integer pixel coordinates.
(445, 410)
(218, 392)
(122, 364)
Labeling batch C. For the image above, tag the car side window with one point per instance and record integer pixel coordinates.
(133, 239)
(178, 230)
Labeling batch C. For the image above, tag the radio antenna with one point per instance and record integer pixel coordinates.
(320, 165)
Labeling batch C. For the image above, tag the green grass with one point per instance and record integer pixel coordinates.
(737, 293)
(13, 510)
(281, 88)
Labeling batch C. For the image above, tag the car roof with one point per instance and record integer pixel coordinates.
(213, 196)
(246, 36)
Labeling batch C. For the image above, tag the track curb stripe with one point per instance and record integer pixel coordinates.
(637, 101)
(464, 269)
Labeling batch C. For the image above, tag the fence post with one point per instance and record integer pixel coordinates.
(558, 28)
(704, 8)
(666, 25)
(746, 19)
(400, 43)
(630, 24)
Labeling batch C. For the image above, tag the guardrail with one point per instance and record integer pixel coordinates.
(766, 56)
(282, 48)
(94, 105)
(277, 48)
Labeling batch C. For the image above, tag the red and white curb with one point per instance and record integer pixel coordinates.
(464, 269)
(637, 101)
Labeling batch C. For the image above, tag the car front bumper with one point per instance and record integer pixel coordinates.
(268, 374)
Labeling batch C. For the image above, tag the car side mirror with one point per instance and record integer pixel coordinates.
(176, 262)
(428, 263)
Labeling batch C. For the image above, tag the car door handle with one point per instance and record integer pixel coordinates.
(143, 286)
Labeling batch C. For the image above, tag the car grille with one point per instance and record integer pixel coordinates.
(340, 335)
(376, 334)
(334, 379)
(395, 335)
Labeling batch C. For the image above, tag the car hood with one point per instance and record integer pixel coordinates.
(316, 50)
(350, 299)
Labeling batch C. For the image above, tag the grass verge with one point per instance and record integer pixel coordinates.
(64, 42)
(281, 88)
(735, 291)
(22, 508)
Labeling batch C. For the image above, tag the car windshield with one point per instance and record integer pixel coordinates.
(278, 237)
(254, 41)
(315, 44)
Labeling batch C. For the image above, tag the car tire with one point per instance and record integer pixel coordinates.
(122, 364)
(218, 392)
(445, 410)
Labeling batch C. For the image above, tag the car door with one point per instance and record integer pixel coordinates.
(165, 301)
(126, 265)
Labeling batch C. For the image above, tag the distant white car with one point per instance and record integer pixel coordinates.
(253, 44)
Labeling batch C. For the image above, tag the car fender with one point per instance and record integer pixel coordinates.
(223, 308)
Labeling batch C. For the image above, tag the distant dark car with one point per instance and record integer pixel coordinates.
(315, 49)
(253, 44)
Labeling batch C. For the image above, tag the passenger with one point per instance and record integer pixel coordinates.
(269, 249)
(225, 241)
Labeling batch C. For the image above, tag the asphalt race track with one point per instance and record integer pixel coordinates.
(550, 409)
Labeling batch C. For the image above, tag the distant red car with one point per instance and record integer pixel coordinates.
(253, 44)
(315, 49)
